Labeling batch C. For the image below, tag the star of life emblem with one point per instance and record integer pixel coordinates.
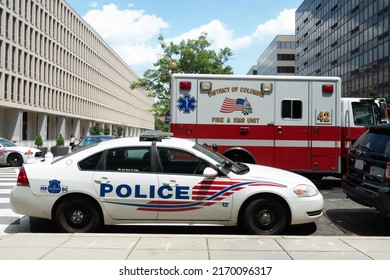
(186, 104)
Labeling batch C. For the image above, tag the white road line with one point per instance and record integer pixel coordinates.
(4, 199)
(9, 213)
(5, 191)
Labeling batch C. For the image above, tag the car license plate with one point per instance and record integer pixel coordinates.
(359, 164)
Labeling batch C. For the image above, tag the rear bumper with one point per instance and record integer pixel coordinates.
(365, 196)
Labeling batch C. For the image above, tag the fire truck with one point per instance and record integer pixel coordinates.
(301, 124)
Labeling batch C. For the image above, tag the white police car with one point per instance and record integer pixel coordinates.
(162, 180)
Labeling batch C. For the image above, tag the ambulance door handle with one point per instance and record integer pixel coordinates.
(279, 129)
(171, 183)
(103, 180)
(244, 129)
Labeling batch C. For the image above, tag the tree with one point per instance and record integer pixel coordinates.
(191, 56)
(38, 141)
(95, 130)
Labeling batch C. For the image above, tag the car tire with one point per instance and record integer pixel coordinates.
(265, 216)
(15, 160)
(77, 215)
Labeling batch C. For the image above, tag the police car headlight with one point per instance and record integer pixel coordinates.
(305, 191)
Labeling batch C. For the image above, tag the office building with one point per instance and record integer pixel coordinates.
(349, 39)
(58, 76)
(279, 57)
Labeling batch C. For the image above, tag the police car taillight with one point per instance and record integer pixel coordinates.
(387, 175)
(185, 85)
(327, 88)
(22, 178)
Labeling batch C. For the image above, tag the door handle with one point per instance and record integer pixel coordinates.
(171, 183)
(103, 180)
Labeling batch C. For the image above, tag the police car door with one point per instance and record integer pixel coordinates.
(127, 185)
(185, 194)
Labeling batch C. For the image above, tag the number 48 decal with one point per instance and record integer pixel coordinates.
(324, 117)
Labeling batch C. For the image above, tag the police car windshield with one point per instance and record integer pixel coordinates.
(220, 159)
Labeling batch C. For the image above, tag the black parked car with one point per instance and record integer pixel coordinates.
(367, 180)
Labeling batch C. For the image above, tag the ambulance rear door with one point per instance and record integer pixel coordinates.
(292, 125)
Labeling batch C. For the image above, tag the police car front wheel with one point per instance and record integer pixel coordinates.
(265, 216)
(77, 215)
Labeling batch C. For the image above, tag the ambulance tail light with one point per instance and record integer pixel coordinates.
(185, 85)
(22, 178)
(327, 88)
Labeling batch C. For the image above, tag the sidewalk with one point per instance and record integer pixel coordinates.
(37, 246)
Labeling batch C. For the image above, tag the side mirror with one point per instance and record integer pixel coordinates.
(210, 172)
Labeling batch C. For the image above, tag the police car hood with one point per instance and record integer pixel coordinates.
(275, 174)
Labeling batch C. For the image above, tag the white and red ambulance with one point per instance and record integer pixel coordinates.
(296, 123)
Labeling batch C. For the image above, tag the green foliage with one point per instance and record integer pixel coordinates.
(160, 124)
(191, 56)
(119, 131)
(106, 130)
(38, 141)
(60, 140)
(95, 130)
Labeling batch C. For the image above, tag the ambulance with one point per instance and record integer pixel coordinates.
(301, 124)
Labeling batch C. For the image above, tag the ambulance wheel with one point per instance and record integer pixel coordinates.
(77, 215)
(265, 216)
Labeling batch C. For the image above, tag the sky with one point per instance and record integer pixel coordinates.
(132, 27)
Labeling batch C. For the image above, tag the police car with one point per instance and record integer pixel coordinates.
(159, 179)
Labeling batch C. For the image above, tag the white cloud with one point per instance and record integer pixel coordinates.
(124, 26)
(217, 34)
(284, 24)
(133, 34)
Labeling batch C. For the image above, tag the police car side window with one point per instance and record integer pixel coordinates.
(91, 162)
(180, 162)
(129, 159)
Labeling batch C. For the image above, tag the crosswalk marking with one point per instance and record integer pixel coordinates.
(4, 199)
(10, 222)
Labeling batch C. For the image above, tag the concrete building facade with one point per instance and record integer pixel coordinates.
(58, 76)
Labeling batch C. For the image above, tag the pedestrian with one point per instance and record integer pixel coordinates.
(72, 143)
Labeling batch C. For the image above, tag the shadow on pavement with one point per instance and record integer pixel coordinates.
(362, 222)
(45, 226)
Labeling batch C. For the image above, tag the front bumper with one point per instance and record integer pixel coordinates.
(306, 209)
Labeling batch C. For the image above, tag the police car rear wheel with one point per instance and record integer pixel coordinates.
(77, 215)
(265, 216)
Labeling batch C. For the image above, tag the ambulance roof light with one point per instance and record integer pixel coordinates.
(266, 87)
(327, 88)
(185, 85)
(206, 86)
(154, 135)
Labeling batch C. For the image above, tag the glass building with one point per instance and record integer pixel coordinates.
(57, 75)
(279, 57)
(349, 39)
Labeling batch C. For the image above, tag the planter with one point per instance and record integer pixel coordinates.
(59, 151)
(44, 151)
